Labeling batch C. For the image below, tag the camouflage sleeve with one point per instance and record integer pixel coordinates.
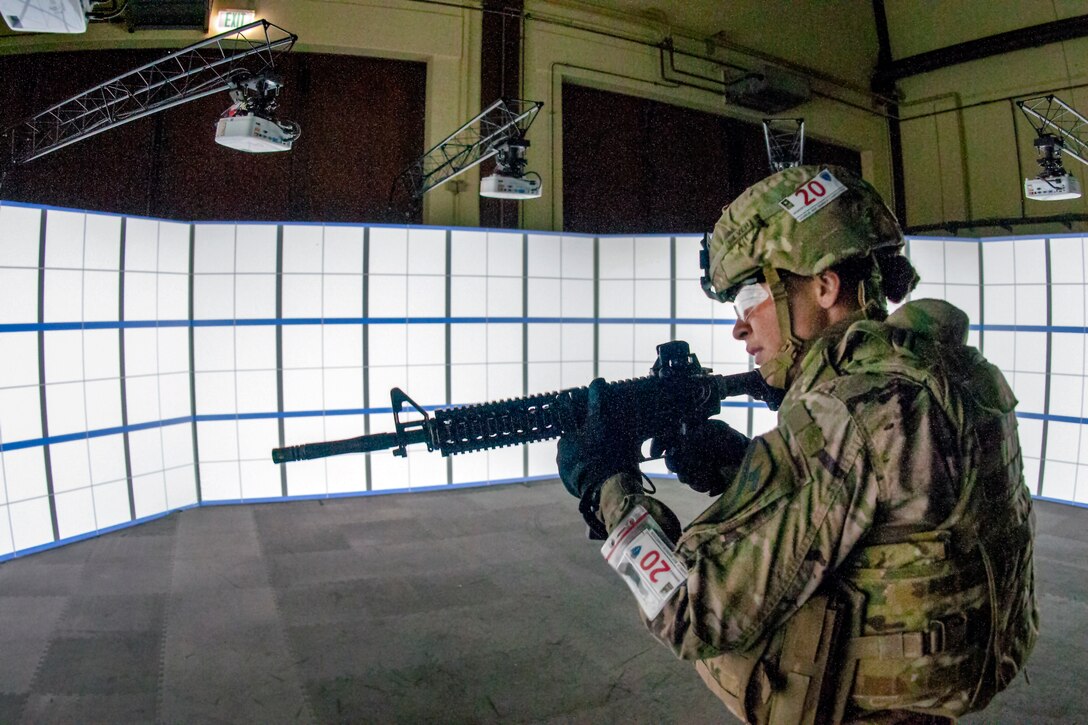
(803, 497)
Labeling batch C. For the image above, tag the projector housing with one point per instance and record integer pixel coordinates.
(1052, 188)
(768, 90)
(500, 186)
(252, 134)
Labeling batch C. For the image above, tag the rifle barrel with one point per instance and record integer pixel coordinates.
(362, 444)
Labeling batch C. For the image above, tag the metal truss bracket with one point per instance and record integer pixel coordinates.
(217, 64)
(1049, 114)
(785, 139)
(505, 120)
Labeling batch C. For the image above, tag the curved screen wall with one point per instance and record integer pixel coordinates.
(151, 366)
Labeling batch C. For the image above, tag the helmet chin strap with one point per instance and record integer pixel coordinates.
(776, 371)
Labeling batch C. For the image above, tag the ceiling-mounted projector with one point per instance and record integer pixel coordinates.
(1053, 183)
(501, 186)
(1053, 188)
(250, 124)
(253, 134)
(768, 90)
(46, 16)
(509, 178)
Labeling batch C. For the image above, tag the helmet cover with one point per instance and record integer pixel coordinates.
(771, 225)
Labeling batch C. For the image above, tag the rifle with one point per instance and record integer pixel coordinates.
(678, 393)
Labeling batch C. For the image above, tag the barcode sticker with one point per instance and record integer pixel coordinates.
(812, 195)
(639, 550)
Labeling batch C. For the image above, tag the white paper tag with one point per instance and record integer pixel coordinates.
(639, 550)
(812, 195)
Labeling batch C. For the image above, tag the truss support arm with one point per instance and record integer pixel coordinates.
(785, 141)
(1049, 114)
(477, 140)
(217, 64)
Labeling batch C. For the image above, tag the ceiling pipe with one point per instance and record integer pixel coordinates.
(1031, 37)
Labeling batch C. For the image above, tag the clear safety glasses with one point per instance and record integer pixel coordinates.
(749, 297)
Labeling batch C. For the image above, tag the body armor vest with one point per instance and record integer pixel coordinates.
(933, 622)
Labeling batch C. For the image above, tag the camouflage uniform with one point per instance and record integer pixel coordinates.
(883, 526)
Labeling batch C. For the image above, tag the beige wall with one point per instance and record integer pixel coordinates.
(962, 132)
(446, 38)
(571, 41)
(563, 49)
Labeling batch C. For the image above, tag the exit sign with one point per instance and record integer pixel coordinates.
(234, 19)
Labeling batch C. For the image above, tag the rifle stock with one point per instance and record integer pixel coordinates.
(677, 393)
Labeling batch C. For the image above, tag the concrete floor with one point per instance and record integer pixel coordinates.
(472, 605)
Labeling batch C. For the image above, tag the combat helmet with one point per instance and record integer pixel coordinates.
(802, 220)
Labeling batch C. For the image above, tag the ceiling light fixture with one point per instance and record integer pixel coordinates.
(46, 16)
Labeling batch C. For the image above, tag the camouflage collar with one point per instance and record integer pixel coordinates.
(838, 349)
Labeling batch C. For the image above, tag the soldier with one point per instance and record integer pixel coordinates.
(869, 559)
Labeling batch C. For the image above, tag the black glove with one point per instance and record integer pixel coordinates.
(595, 452)
(699, 456)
